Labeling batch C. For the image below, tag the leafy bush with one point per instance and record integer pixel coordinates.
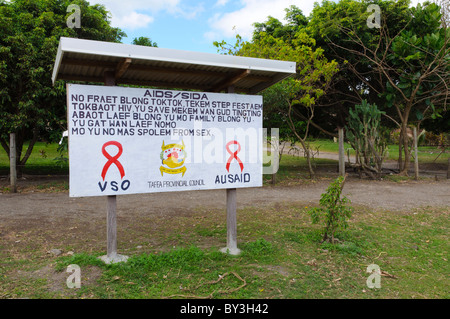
(333, 211)
(367, 138)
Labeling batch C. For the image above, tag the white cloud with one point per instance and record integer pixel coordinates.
(190, 12)
(241, 21)
(153, 6)
(211, 36)
(221, 3)
(132, 21)
(133, 14)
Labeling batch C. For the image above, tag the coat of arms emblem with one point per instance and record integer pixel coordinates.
(172, 158)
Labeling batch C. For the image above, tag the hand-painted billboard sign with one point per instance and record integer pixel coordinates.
(133, 140)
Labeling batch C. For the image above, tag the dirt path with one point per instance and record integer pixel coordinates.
(373, 194)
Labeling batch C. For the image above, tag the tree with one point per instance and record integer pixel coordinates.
(416, 67)
(145, 42)
(30, 105)
(294, 98)
(403, 66)
(296, 21)
(355, 80)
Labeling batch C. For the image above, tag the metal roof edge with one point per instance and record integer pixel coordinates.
(264, 86)
(168, 55)
(57, 64)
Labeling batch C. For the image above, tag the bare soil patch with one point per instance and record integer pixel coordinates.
(39, 219)
(48, 219)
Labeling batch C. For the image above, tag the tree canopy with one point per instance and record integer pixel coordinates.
(402, 65)
(30, 105)
(145, 41)
(292, 101)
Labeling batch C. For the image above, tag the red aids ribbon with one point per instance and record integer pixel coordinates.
(234, 155)
(112, 159)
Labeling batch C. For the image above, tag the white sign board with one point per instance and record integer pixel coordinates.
(133, 140)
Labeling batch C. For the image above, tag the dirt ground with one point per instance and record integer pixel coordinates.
(33, 204)
(35, 221)
(49, 218)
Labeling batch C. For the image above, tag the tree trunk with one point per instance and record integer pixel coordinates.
(400, 152)
(12, 163)
(308, 158)
(405, 145)
(302, 141)
(448, 169)
(341, 151)
(416, 156)
(405, 140)
(21, 161)
(30, 147)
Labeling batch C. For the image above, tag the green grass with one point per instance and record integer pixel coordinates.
(427, 154)
(282, 257)
(293, 169)
(41, 162)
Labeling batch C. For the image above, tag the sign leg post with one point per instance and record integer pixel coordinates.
(231, 224)
(111, 226)
(416, 155)
(111, 207)
(448, 169)
(12, 162)
(341, 152)
(231, 216)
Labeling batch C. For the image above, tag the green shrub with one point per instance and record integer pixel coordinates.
(333, 211)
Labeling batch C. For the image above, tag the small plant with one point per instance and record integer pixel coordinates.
(62, 150)
(367, 138)
(259, 249)
(333, 211)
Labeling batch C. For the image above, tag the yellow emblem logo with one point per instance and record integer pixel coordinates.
(173, 156)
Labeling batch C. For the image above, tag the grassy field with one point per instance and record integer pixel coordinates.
(42, 161)
(427, 154)
(293, 168)
(282, 257)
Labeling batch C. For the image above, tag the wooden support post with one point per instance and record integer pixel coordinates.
(231, 222)
(341, 152)
(111, 226)
(110, 78)
(111, 207)
(231, 216)
(448, 169)
(416, 156)
(12, 163)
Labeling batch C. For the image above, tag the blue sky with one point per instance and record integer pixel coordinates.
(193, 25)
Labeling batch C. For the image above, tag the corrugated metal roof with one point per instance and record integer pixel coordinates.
(87, 60)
